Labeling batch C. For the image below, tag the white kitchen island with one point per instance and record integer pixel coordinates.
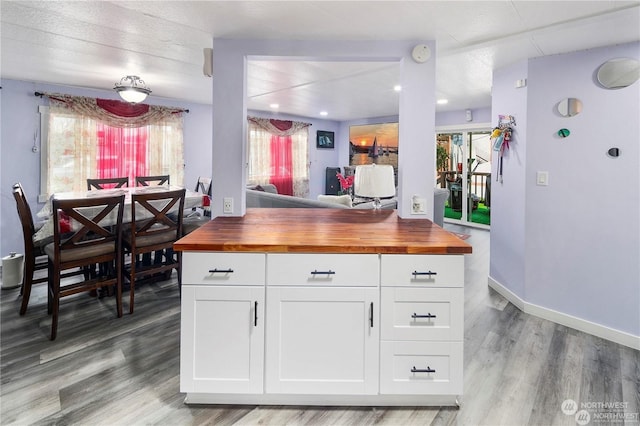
(322, 307)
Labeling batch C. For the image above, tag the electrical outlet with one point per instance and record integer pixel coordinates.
(227, 205)
(418, 205)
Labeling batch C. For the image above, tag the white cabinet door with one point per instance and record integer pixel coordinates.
(322, 340)
(222, 339)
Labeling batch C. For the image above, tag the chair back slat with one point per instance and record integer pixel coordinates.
(153, 180)
(79, 223)
(156, 212)
(204, 185)
(24, 213)
(107, 183)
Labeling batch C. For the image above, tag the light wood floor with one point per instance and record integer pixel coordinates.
(518, 369)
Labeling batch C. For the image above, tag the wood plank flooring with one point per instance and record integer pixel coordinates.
(518, 369)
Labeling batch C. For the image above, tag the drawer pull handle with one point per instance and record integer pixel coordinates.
(221, 271)
(429, 274)
(429, 315)
(428, 370)
(329, 272)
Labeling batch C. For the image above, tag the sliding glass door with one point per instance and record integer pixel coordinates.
(464, 167)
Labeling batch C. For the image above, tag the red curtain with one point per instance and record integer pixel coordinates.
(122, 151)
(281, 164)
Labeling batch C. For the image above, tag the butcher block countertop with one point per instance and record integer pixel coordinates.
(322, 231)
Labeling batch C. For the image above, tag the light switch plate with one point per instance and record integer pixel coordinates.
(542, 178)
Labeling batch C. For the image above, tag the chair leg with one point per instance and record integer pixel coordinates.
(118, 270)
(49, 288)
(55, 281)
(132, 284)
(27, 282)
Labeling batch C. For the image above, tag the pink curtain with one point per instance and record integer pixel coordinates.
(122, 152)
(281, 164)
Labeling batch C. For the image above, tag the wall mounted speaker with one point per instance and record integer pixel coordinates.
(207, 68)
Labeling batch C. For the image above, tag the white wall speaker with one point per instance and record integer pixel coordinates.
(207, 68)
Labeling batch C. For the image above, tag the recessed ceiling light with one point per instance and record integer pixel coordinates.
(397, 88)
(274, 106)
(323, 113)
(442, 101)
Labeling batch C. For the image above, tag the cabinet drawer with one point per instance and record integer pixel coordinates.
(422, 313)
(422, 270)
(356, 270)
(223, 268)
(421, 368)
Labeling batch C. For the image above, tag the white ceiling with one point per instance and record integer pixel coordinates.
(95, 43)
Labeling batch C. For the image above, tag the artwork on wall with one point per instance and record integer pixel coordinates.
(325, 139)
(374, 143)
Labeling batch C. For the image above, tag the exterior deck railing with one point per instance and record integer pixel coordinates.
(479, 183)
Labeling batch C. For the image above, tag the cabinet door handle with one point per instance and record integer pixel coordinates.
(371, 315)
(428, 370)
(255, 313)
(428, 273)
(221, 271)
(329, 272)
(429, 315)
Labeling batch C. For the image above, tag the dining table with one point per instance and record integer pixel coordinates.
(192, 200)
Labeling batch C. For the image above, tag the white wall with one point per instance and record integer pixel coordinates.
(574, 245)
(416, 109)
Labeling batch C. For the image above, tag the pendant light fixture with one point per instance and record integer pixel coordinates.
(132, 89)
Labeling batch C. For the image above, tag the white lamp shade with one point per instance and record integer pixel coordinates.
(375, 181)
(132, 95)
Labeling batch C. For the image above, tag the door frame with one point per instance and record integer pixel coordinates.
(464, 129)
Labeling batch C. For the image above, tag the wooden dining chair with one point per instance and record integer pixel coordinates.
(87, 231)
(204, 185)
(156, 223)
(34, 259)
(107, 183)
(194, 219)
(152, 180)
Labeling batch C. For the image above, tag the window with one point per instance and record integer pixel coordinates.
(278, 153)
(78, 145)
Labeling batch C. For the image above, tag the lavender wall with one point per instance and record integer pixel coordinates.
(20, 119)
(574, 245)
(455, 118)
(508, 198)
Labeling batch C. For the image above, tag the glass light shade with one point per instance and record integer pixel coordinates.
(132, 95)
(375, 181)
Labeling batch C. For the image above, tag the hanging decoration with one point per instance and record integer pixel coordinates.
(501, 137)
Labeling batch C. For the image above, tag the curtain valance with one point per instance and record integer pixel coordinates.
(114, 113)
(279, 127)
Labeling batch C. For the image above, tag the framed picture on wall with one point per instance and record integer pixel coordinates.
(325, 139)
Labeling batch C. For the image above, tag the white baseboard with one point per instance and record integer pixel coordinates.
(616, 336)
